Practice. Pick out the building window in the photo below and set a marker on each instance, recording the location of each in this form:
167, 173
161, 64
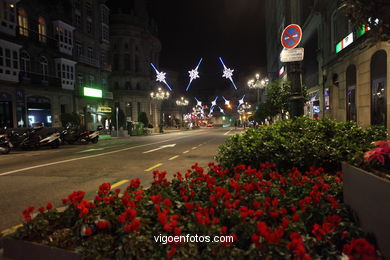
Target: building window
77, 4
89, 26
77, 18
128, 85
7, 11
79, 49
104, 13
91, 80
80, 80
351, 93
105, 33
116, 62
127, 62
138, 107
25, 62
378, 88
90, 53
88, 8
23, 22
42, 29
44, 67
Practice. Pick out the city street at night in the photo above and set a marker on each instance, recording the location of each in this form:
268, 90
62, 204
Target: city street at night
36, 177
220, 129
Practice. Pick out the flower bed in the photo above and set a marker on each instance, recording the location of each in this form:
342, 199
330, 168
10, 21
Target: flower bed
271, 214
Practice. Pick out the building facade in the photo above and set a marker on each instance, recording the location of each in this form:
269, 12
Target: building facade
37, 69
344, 70
94, 101
133, 47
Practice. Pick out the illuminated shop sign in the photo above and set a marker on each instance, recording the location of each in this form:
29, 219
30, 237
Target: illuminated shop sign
93, 92
104, 109
344, 43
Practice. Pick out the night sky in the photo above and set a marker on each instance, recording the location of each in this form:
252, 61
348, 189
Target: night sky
190, 29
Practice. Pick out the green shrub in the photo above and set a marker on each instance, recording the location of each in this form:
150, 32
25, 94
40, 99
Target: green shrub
70, 118
143, 118
301, 143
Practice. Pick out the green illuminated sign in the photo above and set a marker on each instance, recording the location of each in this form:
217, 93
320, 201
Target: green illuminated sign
93, 92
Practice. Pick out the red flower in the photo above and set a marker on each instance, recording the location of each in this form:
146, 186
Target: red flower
88, 231
223, 230
255, 240
171, 252
133, 226
359, 249
296, 217
49, 206
41, 209
177, 231
167, 203
83, 212
103, 224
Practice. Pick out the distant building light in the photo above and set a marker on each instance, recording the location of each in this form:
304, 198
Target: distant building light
93, 92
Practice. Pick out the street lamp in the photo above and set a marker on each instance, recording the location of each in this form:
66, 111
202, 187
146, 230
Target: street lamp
182, 103
160, 95
242, 111
258, 84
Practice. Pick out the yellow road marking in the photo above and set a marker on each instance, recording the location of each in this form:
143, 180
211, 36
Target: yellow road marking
193, 148
119, 184
151, 168
173, 158
186, 151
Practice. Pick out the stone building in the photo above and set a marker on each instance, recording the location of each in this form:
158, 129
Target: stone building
37, 70
133, 47
344, 70
90, 19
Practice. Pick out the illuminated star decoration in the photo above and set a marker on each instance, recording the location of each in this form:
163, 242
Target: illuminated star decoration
227, 102
214, 102
160, 76
194, 74
241, 101
211, 110
221, 110
228, 73
198, 102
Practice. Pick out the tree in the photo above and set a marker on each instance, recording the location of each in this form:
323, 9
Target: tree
121, 118
261, 113
143, 118
366, 12
277, 97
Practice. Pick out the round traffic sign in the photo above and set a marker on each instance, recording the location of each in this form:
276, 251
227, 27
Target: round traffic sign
291, 36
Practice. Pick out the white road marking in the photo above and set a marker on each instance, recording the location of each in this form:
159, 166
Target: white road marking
87, 157
91, 150
227, 132
161, 147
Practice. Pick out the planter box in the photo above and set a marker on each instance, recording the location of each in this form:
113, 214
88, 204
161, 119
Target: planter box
23, 250
369, 197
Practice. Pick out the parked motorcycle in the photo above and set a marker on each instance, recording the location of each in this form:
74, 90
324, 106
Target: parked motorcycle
75, 135
5, 144
33, 139
94, 135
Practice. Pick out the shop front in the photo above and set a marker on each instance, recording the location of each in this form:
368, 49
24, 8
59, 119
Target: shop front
312, 106
39, 111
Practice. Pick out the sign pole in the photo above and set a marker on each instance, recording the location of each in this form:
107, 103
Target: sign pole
117, 123
291, 37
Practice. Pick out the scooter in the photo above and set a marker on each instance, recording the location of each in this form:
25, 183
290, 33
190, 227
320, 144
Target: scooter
52, 140
74, 135
5, 144
94, 135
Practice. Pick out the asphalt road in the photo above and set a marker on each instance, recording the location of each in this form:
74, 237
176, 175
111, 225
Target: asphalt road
48, 175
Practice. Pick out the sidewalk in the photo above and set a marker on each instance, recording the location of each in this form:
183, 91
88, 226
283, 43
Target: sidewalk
166, 131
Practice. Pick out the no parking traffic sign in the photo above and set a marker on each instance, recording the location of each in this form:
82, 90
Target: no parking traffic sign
291, 36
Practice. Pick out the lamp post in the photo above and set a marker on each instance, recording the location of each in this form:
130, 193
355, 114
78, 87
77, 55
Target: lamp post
258, 84
242, 111
160, 95
182, 102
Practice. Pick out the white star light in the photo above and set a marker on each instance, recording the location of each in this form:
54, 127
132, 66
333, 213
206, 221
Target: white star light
214, 102
161, 76
194, 74
199, 103
227, 102
228, 73
241, 101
